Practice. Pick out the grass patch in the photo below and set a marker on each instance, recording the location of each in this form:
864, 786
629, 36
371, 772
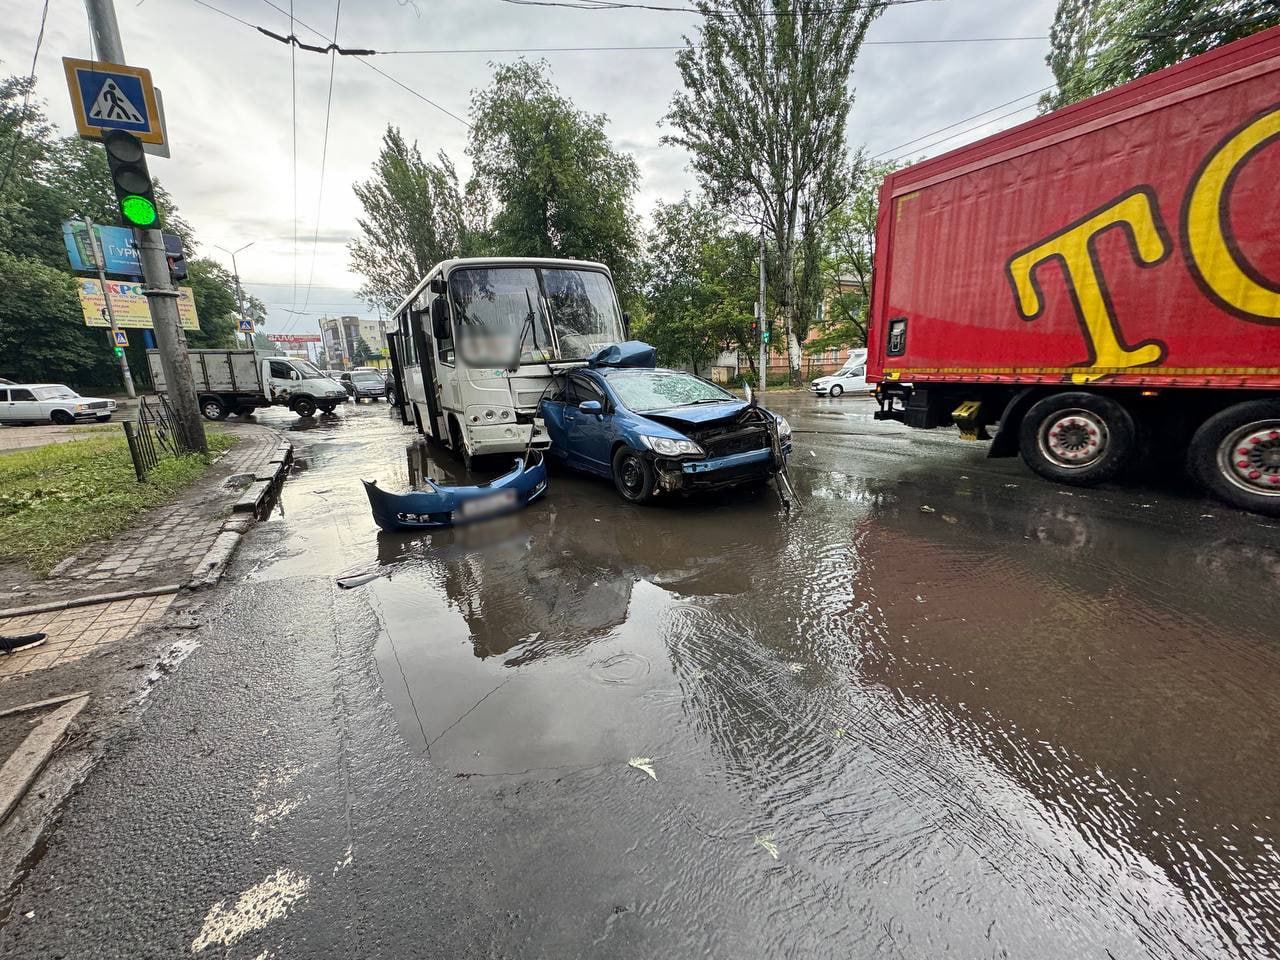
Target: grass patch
57, 498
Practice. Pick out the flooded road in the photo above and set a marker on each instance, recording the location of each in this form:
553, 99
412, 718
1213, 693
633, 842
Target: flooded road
971, 713
945, 709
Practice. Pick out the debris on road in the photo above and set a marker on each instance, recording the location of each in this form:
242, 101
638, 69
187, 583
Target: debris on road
643, 763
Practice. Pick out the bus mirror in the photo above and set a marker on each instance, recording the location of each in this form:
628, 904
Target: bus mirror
440, 319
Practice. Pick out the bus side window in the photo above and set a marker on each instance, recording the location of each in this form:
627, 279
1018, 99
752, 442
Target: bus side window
444, 345
408, 346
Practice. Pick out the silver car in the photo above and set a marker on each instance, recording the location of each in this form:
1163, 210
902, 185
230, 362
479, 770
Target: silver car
50, 403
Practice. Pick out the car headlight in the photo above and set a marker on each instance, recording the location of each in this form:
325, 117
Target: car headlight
784, 428
80, 408
672, 448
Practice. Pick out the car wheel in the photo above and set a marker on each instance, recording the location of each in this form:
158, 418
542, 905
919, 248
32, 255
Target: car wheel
1236, 455
836, 390
326, 409
632, 476
304, 407
1077, 438
62, 418
213, 408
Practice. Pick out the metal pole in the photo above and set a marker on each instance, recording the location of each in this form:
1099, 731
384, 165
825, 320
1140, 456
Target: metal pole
96, 247
235, 270
161, 297
106, 32
764, 346
172, 341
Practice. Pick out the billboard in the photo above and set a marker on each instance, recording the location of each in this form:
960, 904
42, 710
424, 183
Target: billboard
119, 254
293, 338
129, 304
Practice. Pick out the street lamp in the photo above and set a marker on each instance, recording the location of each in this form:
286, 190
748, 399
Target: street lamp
236, 272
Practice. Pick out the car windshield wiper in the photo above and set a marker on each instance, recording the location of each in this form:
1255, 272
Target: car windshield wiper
708, 400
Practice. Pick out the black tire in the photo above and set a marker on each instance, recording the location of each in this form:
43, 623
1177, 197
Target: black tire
62, 418
213, 408
633, 476
304, 407
1236, 456
104, 419
836, 390
1077, 438
327, 409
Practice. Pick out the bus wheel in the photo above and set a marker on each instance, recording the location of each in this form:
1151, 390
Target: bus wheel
1078, 438
1236, 455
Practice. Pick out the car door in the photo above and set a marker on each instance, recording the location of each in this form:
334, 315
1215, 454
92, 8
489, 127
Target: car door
856, 380
5, 416
23, 407
284, 379
589, 435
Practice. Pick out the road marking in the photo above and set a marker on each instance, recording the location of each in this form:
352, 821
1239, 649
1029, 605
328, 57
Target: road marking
259, 905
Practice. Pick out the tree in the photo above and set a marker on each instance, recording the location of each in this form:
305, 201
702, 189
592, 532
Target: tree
849, 250
362, 352
1098, 44
559, 187
698, 284
413, 219
763, 114
214, 289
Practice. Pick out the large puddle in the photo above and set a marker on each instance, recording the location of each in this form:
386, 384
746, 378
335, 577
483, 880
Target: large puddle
966, 715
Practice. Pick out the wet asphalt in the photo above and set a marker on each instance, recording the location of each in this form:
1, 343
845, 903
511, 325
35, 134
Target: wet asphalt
943, 709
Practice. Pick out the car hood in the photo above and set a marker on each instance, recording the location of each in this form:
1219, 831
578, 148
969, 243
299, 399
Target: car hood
822, 381
697, 416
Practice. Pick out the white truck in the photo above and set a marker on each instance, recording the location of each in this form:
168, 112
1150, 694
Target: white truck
240, 381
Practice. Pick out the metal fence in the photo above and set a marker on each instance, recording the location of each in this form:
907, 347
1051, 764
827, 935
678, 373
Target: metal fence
151, 436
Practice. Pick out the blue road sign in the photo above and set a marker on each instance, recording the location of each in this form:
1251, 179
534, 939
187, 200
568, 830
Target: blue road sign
122, 338
246, 326
111, 96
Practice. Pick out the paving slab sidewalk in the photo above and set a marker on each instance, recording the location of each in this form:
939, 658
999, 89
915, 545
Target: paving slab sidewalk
160, 554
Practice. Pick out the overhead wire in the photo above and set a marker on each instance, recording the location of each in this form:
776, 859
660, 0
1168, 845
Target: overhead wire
977, 126
26, 102
324, 155
950, 126
672, 46
618, 5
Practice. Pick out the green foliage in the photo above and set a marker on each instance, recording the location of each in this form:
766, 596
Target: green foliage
42, 331
699, 285
1098, 44
559, 186
849, 247
413, 218
763, 113
214, 289
363, 353
57, 498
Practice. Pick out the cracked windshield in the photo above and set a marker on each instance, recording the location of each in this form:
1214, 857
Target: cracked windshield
630, 480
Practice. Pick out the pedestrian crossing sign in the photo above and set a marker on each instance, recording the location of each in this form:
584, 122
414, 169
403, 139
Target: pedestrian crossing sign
122, 337
111, 96
246, 326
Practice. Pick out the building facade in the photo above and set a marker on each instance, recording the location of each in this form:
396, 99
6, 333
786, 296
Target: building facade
341, 338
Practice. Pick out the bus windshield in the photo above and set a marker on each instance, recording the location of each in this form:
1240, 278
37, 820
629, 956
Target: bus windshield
494, 303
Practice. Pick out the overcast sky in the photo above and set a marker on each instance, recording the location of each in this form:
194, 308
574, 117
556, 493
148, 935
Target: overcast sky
228, 100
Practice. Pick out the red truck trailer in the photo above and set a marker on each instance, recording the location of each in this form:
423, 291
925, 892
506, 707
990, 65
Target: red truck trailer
1100, 284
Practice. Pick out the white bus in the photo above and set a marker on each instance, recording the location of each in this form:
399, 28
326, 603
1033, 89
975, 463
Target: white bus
461, 386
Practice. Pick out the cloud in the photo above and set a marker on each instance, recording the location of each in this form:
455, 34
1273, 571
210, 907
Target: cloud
229, 103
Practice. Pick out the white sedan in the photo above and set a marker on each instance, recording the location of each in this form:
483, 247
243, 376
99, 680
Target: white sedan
851, 378
50, 403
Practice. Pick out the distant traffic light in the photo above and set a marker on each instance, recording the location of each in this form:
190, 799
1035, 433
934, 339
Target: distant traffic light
131, 180
119, 351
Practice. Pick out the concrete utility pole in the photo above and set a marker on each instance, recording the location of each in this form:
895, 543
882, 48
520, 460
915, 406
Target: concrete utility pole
239, 293
162, 298
764, 337
98, 262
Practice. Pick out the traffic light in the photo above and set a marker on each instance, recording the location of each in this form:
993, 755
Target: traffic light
119, 351
130, 178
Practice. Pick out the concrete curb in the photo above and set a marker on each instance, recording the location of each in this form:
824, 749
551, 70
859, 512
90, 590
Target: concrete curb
28, 760
56, 605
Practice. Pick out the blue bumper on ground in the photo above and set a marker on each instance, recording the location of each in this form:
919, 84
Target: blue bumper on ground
440, 506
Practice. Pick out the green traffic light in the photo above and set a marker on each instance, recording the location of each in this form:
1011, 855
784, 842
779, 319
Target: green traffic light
139, 211
119, 351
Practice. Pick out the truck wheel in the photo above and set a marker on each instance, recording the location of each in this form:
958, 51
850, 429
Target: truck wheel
1077, 438
213, 408
1236, 455
633, 476
62, 418
304, 407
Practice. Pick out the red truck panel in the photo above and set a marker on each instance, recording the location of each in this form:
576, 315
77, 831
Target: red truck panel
1132, 238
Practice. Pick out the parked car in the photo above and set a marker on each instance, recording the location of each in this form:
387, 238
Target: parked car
655, 431
364, 384
851, 378
50, 403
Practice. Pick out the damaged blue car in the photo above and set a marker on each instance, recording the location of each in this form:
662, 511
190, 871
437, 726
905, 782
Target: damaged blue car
655, 431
